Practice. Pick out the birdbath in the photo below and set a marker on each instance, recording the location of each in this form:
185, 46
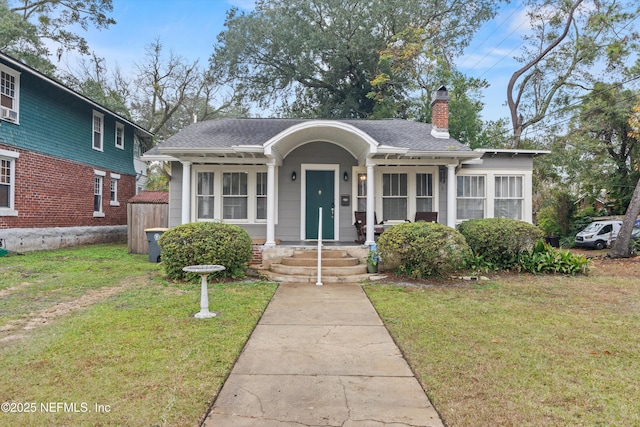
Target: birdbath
204, 271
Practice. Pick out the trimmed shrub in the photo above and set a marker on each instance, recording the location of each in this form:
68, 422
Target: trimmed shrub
199, 243
498, 242
422, 249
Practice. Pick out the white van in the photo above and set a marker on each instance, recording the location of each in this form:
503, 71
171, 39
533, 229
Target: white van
598, 234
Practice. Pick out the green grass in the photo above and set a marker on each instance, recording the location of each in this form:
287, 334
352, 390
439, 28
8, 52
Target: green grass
139, 353
519, 350
45, 278
523, 350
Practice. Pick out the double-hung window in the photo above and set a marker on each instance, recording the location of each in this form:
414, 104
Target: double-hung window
120, 136
9, 92
362, 192
98, 180
7, 182
394, 196
205, 196
230, 196
98, 130
234, 195
113, 196
261, 195
424, 192
509, 197
470, 197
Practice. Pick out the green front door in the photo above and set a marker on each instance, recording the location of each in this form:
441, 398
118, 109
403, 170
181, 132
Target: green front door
319, 194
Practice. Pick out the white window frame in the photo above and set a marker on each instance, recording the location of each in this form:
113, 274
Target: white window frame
510, 196
411, 172
260, 196
100, 116
427, 197
399, 196
16, 93
227, 197
360, 182
119, 129
98, 177
490, 174
484, 198
10, 157
217, 195
113, 196
210, 195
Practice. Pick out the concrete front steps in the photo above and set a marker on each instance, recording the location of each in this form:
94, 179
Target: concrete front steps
302, 267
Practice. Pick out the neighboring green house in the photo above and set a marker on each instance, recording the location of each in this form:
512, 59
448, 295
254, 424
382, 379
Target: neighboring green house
66, 163
270, 176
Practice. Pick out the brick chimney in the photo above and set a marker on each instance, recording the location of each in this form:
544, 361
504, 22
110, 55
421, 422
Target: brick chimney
440, 113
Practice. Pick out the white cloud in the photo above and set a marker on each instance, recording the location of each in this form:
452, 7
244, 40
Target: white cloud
519, 22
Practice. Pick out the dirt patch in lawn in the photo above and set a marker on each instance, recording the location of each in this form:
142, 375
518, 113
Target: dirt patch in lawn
18, 329
620, 267
5, 292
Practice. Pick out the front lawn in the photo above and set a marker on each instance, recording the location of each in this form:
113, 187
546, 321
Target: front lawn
95, 336
523, 350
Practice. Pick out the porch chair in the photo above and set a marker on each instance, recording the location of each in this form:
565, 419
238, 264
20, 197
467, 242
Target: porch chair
361, 226
427, 216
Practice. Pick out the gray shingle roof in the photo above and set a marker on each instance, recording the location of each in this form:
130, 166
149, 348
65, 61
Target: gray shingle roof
222, 133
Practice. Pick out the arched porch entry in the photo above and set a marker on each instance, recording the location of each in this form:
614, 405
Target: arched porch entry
313, 161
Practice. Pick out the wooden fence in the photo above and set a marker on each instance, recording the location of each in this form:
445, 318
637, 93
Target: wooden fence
149, 209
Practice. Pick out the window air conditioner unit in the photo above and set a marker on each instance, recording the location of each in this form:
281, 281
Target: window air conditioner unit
9, 114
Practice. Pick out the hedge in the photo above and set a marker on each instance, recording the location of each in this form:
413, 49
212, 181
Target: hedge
422, 249
498, 242
200, 243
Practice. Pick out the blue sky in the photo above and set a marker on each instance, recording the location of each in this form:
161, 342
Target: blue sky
189, 29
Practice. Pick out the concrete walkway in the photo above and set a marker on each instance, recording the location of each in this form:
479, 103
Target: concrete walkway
320, 356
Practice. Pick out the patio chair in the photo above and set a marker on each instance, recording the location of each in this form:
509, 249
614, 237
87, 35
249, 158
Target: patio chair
427, 216
361, 226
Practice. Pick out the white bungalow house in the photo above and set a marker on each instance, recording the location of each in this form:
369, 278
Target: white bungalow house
270, 176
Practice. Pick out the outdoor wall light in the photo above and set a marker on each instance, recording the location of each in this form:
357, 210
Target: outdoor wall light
345, 176
293, 176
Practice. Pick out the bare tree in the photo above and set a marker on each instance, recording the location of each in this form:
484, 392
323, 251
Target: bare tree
162, 86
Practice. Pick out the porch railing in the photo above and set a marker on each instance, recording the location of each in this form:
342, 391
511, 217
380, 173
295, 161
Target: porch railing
319, 282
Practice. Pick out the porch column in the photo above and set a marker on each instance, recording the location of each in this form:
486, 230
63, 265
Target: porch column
271, 205
186, 192
451, 196
370, 206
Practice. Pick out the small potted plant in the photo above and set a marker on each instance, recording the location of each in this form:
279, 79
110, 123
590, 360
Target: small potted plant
372, 262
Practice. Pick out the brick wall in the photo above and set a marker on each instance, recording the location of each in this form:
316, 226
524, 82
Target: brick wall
440, 109
52, 192
257, 255
440, 114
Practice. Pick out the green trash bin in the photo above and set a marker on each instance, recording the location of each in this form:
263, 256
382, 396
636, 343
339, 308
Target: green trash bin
153, 234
